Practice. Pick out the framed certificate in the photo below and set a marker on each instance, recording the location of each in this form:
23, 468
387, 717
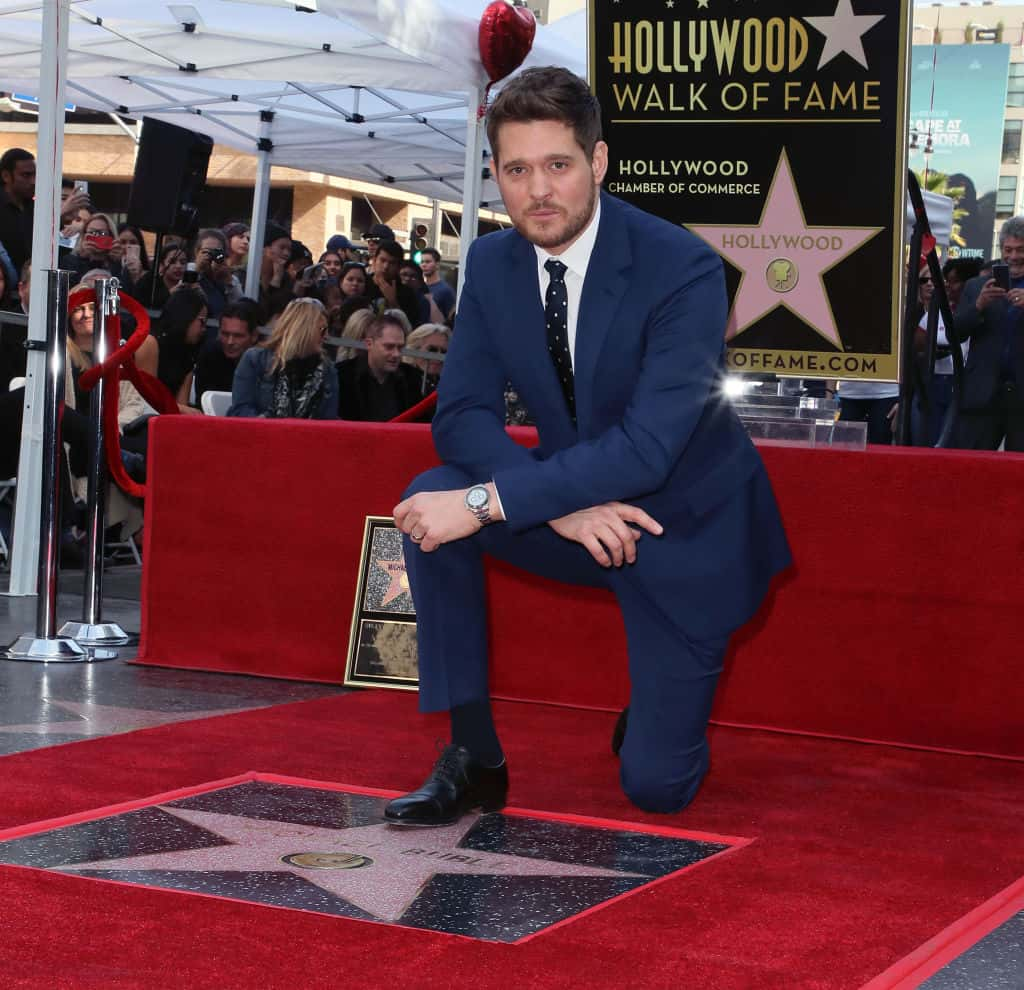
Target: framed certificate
382, 641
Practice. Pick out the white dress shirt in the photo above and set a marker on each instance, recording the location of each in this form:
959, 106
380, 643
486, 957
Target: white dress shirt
576, 258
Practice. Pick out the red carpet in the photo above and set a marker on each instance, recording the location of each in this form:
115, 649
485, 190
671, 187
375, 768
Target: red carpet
898, 622
860, 855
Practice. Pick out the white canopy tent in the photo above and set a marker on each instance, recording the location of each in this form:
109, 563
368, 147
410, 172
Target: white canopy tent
380, 92
382, 87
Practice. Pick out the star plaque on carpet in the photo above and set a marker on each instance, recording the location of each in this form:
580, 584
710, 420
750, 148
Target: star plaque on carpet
307, 846
382, 641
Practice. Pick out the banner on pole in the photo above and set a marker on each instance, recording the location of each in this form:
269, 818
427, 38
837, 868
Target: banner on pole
957, 102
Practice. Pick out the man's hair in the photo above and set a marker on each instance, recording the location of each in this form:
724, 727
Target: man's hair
1014, 227
213, 234
392, 248
381, 323
274, 232
409, 263
12, 156
244, 309
547, 93
965, 268
433, 252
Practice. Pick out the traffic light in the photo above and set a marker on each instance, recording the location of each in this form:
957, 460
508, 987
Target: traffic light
419, 238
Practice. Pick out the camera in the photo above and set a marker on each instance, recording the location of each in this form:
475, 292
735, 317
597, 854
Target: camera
217, 255
191, 275
1001, 275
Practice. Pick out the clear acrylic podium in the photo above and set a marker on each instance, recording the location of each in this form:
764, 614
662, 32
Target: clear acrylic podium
782, 411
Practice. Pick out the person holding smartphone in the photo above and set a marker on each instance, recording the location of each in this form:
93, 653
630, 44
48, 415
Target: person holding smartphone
990, 316
96, 249
130, 248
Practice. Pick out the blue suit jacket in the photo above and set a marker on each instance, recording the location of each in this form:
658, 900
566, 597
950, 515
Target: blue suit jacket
653, 428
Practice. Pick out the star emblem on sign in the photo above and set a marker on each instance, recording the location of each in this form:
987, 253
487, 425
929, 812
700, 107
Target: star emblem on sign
783, 259
843, 31
395, 570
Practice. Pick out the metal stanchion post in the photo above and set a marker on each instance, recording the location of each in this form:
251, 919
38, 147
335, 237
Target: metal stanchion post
45, 646
92, 630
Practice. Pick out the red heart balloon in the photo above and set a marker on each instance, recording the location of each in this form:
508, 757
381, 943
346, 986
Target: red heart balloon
506, 36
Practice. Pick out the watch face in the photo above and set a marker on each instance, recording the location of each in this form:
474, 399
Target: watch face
476, 498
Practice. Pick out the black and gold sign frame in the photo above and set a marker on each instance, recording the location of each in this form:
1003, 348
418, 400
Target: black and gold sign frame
382, 640
777, 133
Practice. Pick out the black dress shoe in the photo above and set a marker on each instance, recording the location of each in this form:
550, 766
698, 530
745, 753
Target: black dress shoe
456, 785
619, 732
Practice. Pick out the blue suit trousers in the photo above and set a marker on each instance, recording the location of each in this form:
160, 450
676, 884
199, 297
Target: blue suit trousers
665, 754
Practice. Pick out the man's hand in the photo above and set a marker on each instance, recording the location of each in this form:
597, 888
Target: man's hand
388, 290
433, 518
989, 294
606, 532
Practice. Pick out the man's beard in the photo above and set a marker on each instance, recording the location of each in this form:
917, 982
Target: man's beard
555, 236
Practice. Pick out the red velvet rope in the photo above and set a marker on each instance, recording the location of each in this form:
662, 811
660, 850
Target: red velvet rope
121, 361
414, 413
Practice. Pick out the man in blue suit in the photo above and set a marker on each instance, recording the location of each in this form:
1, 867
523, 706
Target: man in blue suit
610, 324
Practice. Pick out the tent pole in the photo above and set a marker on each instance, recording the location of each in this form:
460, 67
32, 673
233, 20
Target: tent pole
260, 199
472, 181
45, 232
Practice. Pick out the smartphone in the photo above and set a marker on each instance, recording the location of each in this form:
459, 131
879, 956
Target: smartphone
82, 186
131, 252
102, 242
191, 275
312, 273
1001, 276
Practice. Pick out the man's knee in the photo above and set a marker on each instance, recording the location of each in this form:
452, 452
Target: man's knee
660, 787
439, 479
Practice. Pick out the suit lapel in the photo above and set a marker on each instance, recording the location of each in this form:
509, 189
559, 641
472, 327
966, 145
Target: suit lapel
603, 291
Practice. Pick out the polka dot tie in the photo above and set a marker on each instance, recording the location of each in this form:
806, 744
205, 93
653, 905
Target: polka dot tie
556, 316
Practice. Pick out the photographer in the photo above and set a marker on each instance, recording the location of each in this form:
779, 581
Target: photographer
218, 282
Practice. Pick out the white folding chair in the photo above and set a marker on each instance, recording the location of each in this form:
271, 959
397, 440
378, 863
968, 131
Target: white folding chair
215, 403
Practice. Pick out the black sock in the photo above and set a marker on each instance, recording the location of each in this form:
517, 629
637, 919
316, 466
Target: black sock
473, 727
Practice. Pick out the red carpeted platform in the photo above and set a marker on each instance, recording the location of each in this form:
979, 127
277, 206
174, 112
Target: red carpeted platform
859, 855
899, 620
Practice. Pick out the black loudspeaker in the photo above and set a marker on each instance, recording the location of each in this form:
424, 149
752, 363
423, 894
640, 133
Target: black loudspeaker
170, 175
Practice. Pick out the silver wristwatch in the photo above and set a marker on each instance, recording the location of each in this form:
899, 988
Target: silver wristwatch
478, 501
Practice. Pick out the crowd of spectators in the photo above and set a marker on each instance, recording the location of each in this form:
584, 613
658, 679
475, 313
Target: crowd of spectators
325, 339
204, 324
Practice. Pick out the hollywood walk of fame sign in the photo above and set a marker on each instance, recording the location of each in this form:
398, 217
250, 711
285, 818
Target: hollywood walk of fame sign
324, 848
776, 133
382, 640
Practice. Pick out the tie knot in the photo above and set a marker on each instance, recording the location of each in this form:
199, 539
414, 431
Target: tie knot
555, 269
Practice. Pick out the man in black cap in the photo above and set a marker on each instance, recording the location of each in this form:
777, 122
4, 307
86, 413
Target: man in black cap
379, 233
342, 247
